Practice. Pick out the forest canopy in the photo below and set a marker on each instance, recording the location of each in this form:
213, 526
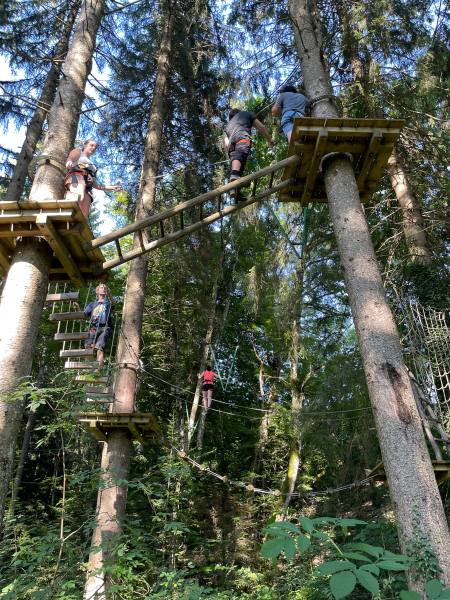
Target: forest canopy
306, 473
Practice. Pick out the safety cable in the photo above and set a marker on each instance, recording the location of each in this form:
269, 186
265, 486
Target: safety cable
187, 391
251, 488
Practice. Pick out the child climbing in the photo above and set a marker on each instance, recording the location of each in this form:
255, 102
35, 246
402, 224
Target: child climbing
99, 313
238, 140
81, 175
208, 385
289, 104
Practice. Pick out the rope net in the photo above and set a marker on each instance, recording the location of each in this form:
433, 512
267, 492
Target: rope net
427, 351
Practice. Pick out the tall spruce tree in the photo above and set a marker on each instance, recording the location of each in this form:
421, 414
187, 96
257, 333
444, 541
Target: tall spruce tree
25, 287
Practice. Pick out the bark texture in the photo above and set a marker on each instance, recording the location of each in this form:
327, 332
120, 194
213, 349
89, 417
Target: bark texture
46, 98
20, 307
413, 222
112, 500
24, 292
414, 492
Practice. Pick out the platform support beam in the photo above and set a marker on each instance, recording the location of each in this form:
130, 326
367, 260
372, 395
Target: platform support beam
47, 229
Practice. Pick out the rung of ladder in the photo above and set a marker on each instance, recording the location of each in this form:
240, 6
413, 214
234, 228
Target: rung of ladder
88, 366
108, 400
63, 296
67, 316
76, 352
99, 391
74, 336
91, 381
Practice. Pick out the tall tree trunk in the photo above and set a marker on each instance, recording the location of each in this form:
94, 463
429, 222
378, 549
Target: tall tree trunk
264, 423
361, 61
414, 492
297, 395
34, 129
203, 360
25, 287
112, 500
21, 304
413, 222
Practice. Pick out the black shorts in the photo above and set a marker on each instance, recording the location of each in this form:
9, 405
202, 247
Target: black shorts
207, 386
98, 337
240, 151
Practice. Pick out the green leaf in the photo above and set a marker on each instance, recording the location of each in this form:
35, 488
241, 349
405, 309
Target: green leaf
368, 581
371, 568
445, 594
307, 524
375, 551
272, 548
289, 548
285, 526
434, 588
356, 556
396, 557
342, 584
349, 522
323, 520
333, 566
303, 543
390, 565
410, 596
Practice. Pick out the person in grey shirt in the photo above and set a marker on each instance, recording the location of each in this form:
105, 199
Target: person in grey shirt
289, 104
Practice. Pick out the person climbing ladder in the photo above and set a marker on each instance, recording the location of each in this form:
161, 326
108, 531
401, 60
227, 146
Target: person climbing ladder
99, 313
81, 175
238, 140
208, 385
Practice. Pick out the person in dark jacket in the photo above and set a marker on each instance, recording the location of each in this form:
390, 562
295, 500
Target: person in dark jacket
238, 139
99, 313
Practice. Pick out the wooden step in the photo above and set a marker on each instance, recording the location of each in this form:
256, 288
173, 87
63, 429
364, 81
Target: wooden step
88, 366
67, 316
63, 296
99, 391
71, 336
93, 381
105, 400
76, 352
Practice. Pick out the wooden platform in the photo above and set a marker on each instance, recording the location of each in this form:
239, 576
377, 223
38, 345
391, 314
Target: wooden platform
64, 227
441, 470
369, 141
142, 426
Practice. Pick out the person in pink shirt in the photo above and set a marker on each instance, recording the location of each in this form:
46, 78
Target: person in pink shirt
207, 386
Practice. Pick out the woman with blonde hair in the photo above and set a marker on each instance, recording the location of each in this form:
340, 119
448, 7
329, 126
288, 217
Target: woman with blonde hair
81, 175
